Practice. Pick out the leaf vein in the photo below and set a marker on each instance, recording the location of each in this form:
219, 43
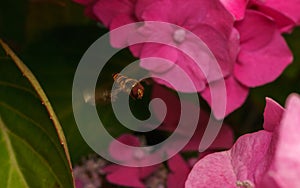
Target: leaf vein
37, 154
11, 152
22, 115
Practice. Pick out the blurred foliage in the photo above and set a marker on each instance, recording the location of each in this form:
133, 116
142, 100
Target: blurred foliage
52, 35
31, 151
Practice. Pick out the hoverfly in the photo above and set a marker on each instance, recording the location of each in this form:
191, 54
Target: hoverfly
128, 85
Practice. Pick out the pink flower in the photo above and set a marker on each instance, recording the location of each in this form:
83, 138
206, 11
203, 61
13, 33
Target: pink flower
268, 158
246, 42
263, 55
123, 175
257, 53
207, 20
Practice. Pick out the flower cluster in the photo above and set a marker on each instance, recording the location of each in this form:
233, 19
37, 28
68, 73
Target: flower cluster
244, 36
267, 158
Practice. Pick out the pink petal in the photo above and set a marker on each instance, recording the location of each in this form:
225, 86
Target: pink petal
264, 53
179, 82
289, 8
107, 11
125, 176
220, 48
179, 171
212, 171
263, 65
121, 20
272, 115
120, 36
284, 23
251, 156
153, 11
159, 33
204, 12
136, 49
236, 7
196, 57
116, 170
142, 6
285, 168
246, 161
159, 51
189, 13
256, 30
115, 149
236, 95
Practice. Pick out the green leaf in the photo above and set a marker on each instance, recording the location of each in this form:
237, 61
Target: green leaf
33, 149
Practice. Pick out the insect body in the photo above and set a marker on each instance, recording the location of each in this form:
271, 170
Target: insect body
129, 85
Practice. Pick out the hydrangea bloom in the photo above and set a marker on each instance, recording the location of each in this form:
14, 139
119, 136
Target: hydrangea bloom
248, 46
201, 17
268, 158
263, 55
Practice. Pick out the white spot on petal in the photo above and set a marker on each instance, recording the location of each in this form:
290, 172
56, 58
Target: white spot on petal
179, 35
